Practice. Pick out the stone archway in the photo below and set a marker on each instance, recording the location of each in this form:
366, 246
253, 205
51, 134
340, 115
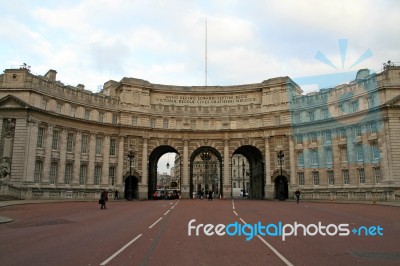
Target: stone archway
256, 170
131, 188
210, 179
153, 160
281, 187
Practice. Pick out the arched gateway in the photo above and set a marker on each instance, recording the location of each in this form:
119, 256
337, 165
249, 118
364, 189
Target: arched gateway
61, 140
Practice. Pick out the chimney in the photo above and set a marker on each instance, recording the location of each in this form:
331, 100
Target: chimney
51, 75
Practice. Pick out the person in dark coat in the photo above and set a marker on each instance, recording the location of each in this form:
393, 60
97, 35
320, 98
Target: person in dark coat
116, 195
297, 193
210, 196
104, 199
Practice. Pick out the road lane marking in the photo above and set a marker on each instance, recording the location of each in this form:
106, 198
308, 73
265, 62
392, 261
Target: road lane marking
285, 260
167, 212
235, 213
151, 226
172, 207
120, 250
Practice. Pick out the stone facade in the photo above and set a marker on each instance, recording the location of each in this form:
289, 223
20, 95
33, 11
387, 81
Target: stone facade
60, 141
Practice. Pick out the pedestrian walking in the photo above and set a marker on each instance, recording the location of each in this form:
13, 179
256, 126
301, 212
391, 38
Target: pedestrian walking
297, 193
210, 195
103, 199
116, 194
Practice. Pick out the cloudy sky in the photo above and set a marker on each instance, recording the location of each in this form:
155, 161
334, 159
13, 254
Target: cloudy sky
92, 41
248, 41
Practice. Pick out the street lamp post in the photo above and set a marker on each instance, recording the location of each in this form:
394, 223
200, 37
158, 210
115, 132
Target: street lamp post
131, 157
205, 156
243, 170
281, 158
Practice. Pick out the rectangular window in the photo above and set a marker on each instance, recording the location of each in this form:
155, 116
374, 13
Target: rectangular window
153, 123
99, 145
375, 151
314, 157
72, 112
165, 123
58, 108
359, 153
134, 120
114, 119
113, 146
315, 178
40, 138
111, 175
68, 174
343, 154
313, 137
301, 178
331, 178
299, 138
44, 104
85, 144
97, 175
311, 114
56, 140
328, 155
87, 114
377, 174
357, 131
82, 174
325, 113
38, 171
70, 142
101, 117
277, 120
53, 173
342, 133
354, 106
328, 136
296, 118
361, 175
346, 179
300, 159
372, 128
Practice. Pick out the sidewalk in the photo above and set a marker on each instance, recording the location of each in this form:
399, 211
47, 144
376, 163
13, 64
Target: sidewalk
5, 203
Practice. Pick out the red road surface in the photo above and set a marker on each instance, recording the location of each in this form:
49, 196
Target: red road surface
156, 233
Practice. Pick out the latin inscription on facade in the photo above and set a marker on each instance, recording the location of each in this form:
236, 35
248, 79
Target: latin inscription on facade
206, 100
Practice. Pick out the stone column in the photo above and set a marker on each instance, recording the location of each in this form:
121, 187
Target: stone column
292, 158
92, 157
227, 174
63, 156
77, 159
185, 173
120, 165
106, 161
47, 158
30, 155
268, 186
145, 176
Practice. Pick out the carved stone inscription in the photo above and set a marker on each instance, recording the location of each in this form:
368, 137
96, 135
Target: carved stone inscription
206, 100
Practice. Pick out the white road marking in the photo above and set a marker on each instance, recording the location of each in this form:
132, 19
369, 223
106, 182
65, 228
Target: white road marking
167, 212
235, 213
151, 226
121, 249
285, 260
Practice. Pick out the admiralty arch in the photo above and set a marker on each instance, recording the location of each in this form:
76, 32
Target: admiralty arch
340, 143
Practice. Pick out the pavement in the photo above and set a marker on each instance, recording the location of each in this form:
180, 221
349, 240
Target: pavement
19, 202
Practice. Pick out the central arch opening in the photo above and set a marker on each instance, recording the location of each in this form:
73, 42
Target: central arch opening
205, 173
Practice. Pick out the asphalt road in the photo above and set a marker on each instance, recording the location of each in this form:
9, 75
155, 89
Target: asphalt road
157, 233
